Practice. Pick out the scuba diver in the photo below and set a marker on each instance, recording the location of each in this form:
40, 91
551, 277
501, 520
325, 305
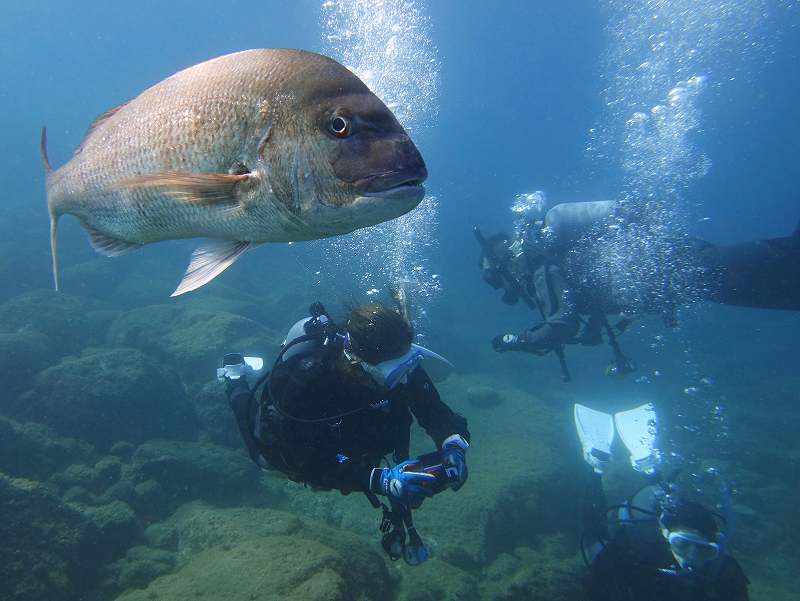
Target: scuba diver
338, 400
658, 545
545, 265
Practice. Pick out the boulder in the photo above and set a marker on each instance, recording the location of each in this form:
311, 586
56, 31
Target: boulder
58, 316
297, 560
484, 397
140, 566
192, 342
215, 420
192, 470
105, 396
116, 527
35, 451
46, 546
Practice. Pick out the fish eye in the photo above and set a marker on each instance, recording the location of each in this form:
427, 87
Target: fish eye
339, 126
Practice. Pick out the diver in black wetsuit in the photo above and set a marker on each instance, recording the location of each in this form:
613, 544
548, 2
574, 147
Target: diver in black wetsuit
338, 401
658, 545
664, 548
540, 267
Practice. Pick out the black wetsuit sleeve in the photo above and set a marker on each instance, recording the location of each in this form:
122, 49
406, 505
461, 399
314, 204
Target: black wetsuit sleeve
240, 400
438, 420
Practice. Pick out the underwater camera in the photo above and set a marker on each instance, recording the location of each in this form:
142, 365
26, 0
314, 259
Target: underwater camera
433, 464
236, 365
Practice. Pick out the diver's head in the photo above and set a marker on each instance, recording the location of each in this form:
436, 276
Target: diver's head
692, 532
494, 264
379, 340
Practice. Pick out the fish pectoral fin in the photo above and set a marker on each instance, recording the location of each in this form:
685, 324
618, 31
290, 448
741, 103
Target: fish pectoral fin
195, 188
208, 261
108, 245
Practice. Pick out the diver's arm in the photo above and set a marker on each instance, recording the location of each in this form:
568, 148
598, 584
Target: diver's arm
438, 420
240, 399
561, 322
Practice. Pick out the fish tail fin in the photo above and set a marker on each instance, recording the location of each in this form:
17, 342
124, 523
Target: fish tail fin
54, 246
48, 172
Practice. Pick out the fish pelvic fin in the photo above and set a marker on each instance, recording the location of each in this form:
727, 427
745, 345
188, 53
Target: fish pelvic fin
48, 169
108, 245
210, 260
195, 188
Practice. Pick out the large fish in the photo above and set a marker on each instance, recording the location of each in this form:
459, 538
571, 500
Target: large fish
252, 147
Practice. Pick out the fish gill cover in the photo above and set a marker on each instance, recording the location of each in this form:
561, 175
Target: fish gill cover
389, 46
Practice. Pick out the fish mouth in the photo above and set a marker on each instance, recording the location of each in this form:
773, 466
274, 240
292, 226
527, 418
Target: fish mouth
392, 183
406, 191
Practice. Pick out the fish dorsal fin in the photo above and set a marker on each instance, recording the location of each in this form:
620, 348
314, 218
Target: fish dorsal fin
108, 245
97, 123
194, 188
208, 261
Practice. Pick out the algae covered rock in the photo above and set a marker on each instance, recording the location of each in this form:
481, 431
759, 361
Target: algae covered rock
115, 524
190, 470
140, 566
215, 419
59, 317
191, 341
257, 553
35, 451
24, 354
105, 396
46, 551
279, 567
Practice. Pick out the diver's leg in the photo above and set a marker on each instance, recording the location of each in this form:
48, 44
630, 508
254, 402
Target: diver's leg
762, 274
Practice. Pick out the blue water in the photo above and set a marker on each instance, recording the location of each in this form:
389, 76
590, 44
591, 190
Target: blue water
523, 101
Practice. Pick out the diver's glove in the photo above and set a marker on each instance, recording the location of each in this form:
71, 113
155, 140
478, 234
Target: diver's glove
454, 460
504, 342
401, 484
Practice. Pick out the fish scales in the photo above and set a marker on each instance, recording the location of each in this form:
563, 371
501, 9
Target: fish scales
268, 145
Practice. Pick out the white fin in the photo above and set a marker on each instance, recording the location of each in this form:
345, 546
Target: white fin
107, 245
596, 433
637, 429
208, 261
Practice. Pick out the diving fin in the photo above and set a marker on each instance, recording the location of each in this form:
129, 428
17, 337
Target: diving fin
210, 260
637, 429
596, 433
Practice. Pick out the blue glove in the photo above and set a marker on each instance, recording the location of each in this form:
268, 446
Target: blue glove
401, 484
454, 459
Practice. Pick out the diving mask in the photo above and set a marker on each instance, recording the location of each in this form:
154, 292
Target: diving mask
393, 372
691, 550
